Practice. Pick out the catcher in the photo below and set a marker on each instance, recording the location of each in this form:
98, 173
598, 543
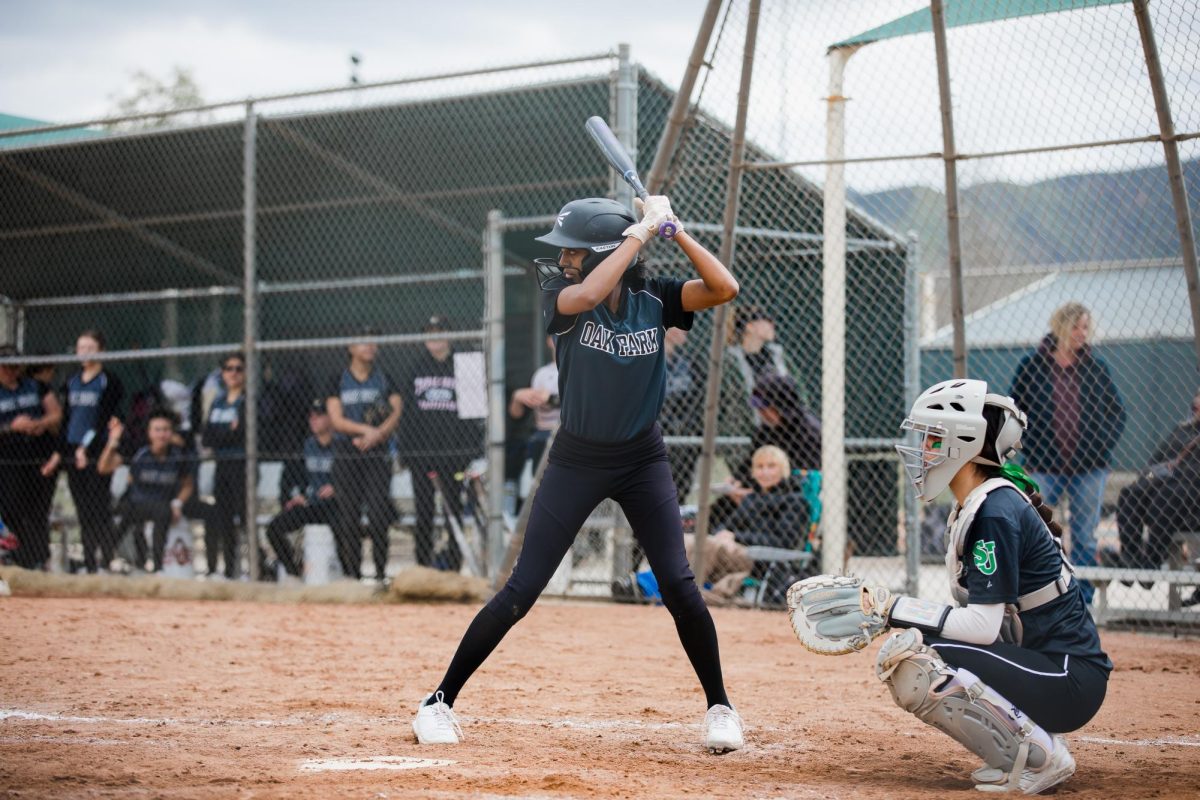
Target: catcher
1018, 662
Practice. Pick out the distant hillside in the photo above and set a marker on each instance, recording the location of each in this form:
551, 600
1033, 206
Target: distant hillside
1098, 217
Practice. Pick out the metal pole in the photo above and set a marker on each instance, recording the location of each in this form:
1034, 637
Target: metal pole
912, 388
250, 336
683, 98
493, 261
1179, 197
833, 324
950, 157
712, 388
625, 117
19, 328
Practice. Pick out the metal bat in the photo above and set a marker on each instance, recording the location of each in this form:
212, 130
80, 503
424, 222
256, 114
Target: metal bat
619, 160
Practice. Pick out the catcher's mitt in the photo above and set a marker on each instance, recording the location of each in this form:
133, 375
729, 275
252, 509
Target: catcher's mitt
837, 614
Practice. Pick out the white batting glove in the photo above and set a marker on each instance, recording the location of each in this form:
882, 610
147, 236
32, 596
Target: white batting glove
655, 210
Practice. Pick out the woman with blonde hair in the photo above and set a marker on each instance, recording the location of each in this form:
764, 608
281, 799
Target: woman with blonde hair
1076, 417
775, 514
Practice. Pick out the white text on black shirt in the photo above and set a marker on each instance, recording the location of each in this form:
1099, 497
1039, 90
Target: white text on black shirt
638, 343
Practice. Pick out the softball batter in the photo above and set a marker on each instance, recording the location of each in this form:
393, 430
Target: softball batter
609, 320
1019, 662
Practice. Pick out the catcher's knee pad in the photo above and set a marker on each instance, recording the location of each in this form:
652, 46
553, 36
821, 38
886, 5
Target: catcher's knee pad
958, 703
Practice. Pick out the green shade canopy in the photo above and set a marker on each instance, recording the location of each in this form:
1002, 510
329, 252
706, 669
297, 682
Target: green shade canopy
9, 122
968, 12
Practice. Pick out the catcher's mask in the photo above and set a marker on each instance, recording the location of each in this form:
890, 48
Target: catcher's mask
594, 225
949, 417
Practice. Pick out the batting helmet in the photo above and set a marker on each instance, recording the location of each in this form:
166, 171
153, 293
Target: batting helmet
593, 224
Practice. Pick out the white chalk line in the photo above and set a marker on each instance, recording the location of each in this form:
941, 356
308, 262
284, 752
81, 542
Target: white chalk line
371, 763
565, 723
1187, 741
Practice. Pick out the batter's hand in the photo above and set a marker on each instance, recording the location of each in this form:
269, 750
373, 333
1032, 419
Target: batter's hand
654, 211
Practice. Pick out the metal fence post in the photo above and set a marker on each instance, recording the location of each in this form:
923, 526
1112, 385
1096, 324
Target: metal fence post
713, 386
250, 336
1179, 197
493, 261
950, 160
912, 388
625, 116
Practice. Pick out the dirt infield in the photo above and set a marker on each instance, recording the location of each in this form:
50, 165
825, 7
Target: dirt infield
106, 697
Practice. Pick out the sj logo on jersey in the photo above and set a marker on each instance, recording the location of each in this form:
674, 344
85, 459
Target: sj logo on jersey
985, 557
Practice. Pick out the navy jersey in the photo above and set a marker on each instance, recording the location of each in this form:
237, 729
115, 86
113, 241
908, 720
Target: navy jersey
364, 402
155, 480
611, 367
1008, 553
84, 402
318, 462
25, 398
220, 433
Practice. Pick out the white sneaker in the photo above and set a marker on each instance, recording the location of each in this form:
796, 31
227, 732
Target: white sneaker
722, 730
436, 724
1060, 767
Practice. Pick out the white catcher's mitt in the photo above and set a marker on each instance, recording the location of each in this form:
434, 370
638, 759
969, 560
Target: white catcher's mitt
837, 614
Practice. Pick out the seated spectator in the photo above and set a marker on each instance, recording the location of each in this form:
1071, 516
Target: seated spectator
1163, 500
773, 515
160, 483
791, 427
317, 504
542, 397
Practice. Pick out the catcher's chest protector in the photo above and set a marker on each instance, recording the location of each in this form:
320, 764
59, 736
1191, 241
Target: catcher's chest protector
956, 534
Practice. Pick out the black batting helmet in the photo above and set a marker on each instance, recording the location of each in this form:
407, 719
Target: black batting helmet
594, 224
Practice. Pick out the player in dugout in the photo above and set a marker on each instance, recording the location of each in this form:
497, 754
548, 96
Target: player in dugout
1018, 663
609, 318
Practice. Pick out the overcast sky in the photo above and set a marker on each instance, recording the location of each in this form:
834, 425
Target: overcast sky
1068, 77
62, 60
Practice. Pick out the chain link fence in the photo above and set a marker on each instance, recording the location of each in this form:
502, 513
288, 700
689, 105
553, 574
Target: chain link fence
304, 229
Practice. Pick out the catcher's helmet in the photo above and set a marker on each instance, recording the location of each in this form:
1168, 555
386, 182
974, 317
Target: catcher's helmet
593, 224
952, 414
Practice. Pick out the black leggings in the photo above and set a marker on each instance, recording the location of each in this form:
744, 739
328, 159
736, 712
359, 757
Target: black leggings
578, 476
362, 480
1059, 692
92, 493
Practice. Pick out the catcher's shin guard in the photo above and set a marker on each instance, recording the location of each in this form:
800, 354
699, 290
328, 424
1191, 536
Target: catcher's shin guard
960, 705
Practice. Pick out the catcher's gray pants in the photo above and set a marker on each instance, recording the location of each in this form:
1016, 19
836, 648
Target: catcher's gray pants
1058, 692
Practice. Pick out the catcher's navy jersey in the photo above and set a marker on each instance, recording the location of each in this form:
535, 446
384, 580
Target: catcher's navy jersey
611, 367
1008, 553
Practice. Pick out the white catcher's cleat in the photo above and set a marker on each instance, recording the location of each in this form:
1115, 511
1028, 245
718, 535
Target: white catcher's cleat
1057, 769
722, 730
436, 724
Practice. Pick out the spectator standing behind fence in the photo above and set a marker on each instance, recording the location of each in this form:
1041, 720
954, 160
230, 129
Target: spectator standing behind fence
160, 483
1165, 499
541, 395
224, 432
436, 442
92, 397
1076, 417
317, 504
30, 415
364, 406
47, 446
